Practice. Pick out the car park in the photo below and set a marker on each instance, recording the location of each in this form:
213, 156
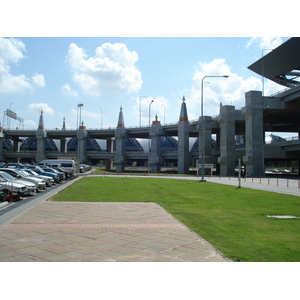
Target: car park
19, 174
31, 188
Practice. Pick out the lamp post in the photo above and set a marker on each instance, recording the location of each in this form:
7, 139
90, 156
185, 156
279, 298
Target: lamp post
149, 138
79, 105
262, 69
202, 127
101, 117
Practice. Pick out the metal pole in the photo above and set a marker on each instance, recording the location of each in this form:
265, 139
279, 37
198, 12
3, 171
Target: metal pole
149, 139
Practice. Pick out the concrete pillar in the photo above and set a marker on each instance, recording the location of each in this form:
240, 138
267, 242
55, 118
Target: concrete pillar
81, 145
40, 140
253, 112
120, 136
183, 141
63, 145
109, 149
156, 132
207, 138
227, 141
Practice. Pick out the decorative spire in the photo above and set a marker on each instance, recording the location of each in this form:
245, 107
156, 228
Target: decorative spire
41, 121
64, 124
183, 112
121, 118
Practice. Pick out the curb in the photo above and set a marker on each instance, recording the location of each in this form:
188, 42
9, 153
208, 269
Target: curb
3, 204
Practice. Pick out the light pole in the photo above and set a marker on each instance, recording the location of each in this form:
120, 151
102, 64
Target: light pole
202, 126
79, 105
164, 114
149, 138
262, 69
101, 117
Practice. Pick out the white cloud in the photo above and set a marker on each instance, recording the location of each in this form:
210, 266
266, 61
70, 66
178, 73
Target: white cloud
264, 42
218, 90
37, 107
39, 80
67, 90
112, 69
11, 52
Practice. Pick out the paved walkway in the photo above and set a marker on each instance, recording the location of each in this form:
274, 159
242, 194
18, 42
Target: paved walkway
101, 232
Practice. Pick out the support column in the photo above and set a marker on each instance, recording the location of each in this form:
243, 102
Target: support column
81, 145
227, 141
63, 145
207, 139
253, 112
63, 141
120, 136
183, 140
109, 149
40, 140
155, 153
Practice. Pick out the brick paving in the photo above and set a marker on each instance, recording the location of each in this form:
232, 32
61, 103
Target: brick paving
101, 232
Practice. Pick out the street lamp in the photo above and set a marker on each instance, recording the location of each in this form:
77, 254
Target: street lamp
149, 139
202, 126
101, 117
79, 104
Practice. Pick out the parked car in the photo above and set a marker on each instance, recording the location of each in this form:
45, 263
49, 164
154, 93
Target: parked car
40, 171
61, 175
11, 189
19, 174
31, 188
48, 180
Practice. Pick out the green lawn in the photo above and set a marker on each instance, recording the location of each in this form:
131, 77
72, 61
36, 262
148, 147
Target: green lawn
233, 220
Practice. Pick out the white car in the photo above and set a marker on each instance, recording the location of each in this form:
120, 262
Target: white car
31, 188
13, 189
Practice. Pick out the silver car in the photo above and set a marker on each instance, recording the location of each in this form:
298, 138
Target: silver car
31, 187
11, 189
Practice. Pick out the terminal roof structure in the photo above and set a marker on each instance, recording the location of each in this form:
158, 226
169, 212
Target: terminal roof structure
282, 65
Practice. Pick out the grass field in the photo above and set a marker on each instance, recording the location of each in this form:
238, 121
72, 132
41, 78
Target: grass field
233, 220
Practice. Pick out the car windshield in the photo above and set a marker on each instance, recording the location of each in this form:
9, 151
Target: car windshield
32, 172
23, 173
7, 176
39, 169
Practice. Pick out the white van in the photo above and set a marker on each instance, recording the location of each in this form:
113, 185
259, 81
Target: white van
67, 164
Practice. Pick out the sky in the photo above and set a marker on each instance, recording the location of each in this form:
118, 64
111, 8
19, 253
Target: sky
55, 74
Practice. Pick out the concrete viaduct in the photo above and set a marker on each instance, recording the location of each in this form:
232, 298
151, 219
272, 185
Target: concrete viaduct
279, 113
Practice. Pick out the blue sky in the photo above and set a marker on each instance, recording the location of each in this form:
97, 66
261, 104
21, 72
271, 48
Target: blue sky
104, 73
